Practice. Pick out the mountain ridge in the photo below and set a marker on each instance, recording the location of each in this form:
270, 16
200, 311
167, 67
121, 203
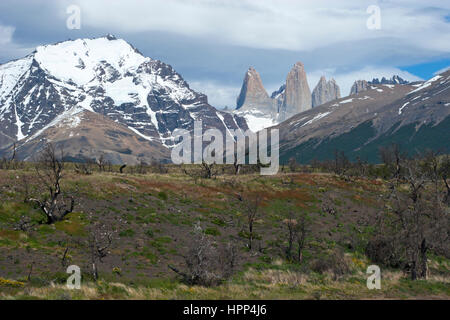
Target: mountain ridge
407, 114
104, 75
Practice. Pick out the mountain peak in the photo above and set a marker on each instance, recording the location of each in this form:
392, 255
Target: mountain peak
78, 61
253, 94
325, 91
110, 37
299, 65
359, 86
297, 96
106, 76
394, 80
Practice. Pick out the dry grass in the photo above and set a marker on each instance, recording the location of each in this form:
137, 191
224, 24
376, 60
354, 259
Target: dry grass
266, 284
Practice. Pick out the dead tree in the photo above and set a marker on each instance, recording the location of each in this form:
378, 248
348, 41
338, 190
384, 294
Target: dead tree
293, 164
361, 167
392, 157
252, 203
208, 170
193, 173
237, 166
203, 171
291, 225
422, 222
297, 232
102, 163
99, 242
9, 163
302, 230
340, 163
444, 173
49, 169
207, 265
142, 167
64, 260
158, 167
85, 167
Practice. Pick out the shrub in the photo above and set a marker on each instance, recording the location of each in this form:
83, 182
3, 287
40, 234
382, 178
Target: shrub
212, 231
163, 196
11, 283
149, 233
334, 261
117, 270
384, 252
127, 233
207, 265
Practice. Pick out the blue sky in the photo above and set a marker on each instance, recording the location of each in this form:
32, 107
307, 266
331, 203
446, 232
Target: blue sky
211, 43
428, 69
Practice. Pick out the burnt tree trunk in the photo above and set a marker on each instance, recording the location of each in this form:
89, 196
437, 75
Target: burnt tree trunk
250, 236
423, 259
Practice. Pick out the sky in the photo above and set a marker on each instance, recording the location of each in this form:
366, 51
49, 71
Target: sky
212, 43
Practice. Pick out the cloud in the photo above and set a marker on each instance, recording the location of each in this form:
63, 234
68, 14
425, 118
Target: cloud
213, 42
6, 33
281, 24
219, 95
10, 49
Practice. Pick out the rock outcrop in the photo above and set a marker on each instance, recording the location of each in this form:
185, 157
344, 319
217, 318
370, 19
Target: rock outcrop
359, 86
262, 111
297, 95
253, 95
394, 80
325, 91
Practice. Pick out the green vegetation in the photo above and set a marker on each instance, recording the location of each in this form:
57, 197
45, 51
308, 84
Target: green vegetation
314, 233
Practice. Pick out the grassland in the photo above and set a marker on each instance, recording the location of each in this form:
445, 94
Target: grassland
153, 215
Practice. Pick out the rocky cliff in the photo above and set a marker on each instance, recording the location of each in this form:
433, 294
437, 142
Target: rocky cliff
359, 86
325, 91
253, 95
297, 95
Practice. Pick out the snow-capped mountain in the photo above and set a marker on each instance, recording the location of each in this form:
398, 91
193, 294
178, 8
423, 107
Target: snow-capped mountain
107, 76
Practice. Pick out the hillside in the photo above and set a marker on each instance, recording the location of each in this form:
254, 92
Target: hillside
413, 116
153, 216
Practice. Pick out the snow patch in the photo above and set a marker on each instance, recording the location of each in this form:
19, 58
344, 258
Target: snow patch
140, 134
256, 123
62, 60
318, 117
226, 127
346, 101
426, 84
10, 73
19, 125
70, 118
401, 109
